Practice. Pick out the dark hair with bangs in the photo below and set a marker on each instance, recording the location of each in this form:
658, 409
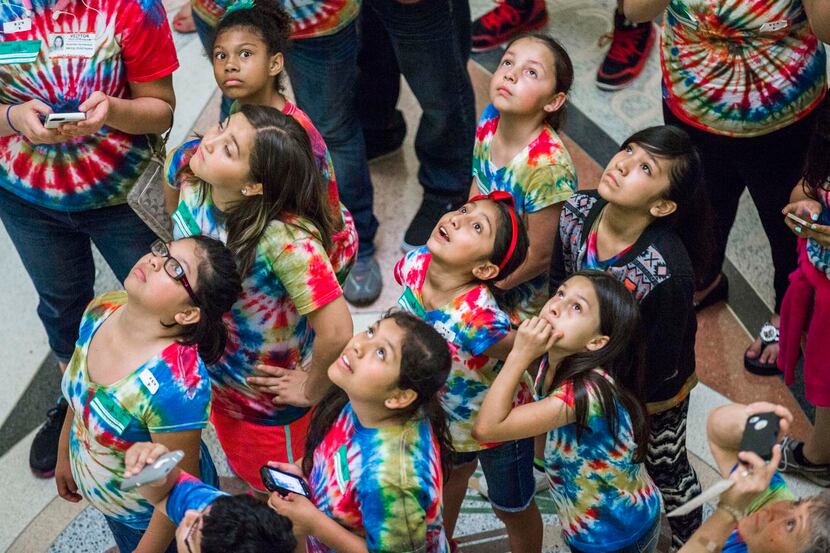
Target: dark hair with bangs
268, 20
425, 365
817, 164
692, 220
563, 71
621, 358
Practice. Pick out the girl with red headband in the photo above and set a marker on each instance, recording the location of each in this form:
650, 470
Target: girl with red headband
447, 283
518, 150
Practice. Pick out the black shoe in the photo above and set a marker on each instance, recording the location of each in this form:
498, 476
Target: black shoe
716, 295
43, 456
430, 212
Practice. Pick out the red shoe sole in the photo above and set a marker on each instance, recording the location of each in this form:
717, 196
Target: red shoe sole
43, 475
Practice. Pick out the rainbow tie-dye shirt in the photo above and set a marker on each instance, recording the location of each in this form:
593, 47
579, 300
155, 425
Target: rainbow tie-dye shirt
540, 176
311, 18
291, 277
604, 499
384, 484
471, 324
740, 68
129, 41
170, 392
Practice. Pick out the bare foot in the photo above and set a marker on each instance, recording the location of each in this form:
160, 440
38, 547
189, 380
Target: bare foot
183, 20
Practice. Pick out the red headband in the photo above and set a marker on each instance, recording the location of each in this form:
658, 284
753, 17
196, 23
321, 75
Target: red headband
502, 196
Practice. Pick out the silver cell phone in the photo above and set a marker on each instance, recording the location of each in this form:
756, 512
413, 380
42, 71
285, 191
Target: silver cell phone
800, 221
154, 472
55, 120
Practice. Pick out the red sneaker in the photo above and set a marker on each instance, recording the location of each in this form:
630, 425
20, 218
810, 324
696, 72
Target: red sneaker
630, 46
508, 19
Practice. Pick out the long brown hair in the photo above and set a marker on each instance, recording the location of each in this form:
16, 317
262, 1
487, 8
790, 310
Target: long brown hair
282, 161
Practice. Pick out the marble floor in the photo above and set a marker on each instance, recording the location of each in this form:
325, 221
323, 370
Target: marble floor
35, 520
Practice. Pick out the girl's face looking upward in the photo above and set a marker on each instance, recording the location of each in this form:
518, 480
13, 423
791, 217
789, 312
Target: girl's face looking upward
369, 368
466, 237
637, 179
574, 315
241, 64
223, 156
525, 81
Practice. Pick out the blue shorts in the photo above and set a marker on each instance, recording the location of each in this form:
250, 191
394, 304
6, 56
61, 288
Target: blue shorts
508, 469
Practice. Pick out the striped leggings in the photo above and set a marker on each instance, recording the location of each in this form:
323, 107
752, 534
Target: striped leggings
668, 465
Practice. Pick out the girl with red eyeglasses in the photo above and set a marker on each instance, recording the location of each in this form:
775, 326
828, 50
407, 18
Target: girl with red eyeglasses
138, 374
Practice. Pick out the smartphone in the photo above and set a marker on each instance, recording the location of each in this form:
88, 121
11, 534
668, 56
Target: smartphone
55, 120
154, 472
276, 480
800, 221
760, 434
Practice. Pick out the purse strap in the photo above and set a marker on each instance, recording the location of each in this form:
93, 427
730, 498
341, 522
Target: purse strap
161, 150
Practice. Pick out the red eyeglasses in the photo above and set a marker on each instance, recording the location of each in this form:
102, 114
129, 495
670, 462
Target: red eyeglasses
172, 267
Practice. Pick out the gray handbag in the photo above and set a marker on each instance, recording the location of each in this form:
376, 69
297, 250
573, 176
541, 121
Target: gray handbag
146, 197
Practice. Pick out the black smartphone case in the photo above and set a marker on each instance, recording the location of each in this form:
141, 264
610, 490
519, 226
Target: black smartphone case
760, 434
270, 485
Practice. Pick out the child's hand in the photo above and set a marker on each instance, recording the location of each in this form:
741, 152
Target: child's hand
535, 337
286, 385
809, 210
297, 508
142, 454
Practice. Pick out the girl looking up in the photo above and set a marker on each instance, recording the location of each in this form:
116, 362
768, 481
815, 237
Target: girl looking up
252, 182
138, 374
248, 61
518, 151
446, 284
377, 446
647, 218
587, 404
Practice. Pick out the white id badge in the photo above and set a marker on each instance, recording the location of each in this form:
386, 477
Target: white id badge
773, 26
71, 45
17, 26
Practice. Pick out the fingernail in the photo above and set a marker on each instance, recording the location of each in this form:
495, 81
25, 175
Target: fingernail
798, 229
814, 217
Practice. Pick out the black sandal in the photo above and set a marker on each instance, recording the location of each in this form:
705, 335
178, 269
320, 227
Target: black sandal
769, 334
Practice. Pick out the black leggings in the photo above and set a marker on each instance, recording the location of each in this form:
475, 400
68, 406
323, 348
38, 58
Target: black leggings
769, 166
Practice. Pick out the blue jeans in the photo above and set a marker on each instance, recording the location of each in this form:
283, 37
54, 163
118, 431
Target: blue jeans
429, 44
206, 35
55, 249
646, 544
508, 468
127, 537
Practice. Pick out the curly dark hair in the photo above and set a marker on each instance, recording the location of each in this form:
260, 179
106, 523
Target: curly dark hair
243, 524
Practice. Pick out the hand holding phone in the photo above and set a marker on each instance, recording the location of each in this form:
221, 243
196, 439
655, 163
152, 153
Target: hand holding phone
156, 471
761, 434
279, 481
800, 221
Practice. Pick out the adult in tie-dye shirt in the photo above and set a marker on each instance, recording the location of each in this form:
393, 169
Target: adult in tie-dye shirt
166, 394
61, 188
744, 79
541, 175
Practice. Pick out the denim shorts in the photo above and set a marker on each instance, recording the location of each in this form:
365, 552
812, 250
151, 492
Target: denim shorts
508, 468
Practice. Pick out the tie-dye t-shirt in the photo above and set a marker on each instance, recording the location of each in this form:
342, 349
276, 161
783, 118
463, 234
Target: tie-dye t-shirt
381, 483
604, 499
541, 175
311, 18
292, 276
471, 324
170, 392
818, 255
739, 68
776, 491
189, 493
118, 41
